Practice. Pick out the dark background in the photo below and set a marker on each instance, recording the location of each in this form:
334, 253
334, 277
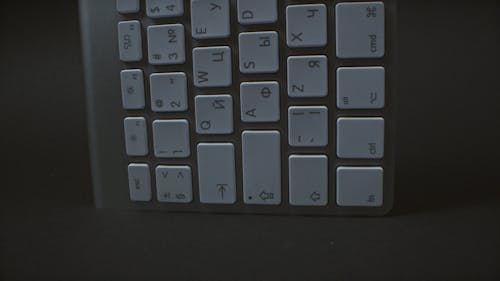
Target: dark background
445, 225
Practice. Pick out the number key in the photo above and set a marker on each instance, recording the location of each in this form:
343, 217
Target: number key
164, 8
166, 44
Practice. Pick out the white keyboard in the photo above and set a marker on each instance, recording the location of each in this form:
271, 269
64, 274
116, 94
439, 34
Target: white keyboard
254, 106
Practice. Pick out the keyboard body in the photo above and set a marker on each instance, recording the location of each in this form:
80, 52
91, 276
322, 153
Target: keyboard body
276, 116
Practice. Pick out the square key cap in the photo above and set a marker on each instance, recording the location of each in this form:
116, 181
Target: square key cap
210, 19
307, 76
166, 44
171, 138
259, 52
360, 30
214, 114
360, 186
257, 11
168, 92
260, 101
360, 87
212, 67
307, 126
360, 138
306, 25
174, 184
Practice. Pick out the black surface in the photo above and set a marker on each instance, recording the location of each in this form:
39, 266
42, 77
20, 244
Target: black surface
446, 224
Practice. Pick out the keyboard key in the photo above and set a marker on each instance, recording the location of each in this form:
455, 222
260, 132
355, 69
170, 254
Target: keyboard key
136, 137
360, 87
174, 184
360, 30
306, 25
212, 67
164, 8
168, 92
261, 154
127, 6
166, 44
139, 182
307, 76
171, 138
258, 52
130, 41
132, 84
216, 173
360, 186
308, 180
257, 11
360, 138
210, 19
214, 114
260, 101
307, 126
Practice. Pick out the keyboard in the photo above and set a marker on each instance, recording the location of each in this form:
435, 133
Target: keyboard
247, 106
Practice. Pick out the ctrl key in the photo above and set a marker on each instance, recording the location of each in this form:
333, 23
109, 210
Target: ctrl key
360, 186
139, 182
